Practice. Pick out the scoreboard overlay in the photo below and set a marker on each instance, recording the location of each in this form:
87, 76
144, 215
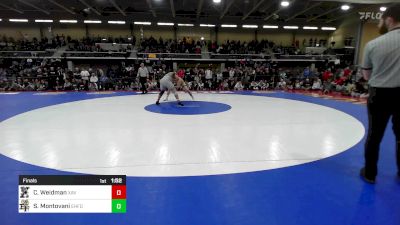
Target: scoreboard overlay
72, 194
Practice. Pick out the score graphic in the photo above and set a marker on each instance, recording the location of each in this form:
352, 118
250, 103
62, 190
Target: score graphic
71, 194
119, 199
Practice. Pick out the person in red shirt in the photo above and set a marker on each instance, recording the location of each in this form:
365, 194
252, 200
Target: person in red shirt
340, 80
327, 75
181, 73
347, 72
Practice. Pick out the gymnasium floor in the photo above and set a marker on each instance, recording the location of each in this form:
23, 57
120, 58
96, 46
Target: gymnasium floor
226, 158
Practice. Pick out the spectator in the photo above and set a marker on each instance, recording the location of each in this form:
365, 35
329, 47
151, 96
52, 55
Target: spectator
253, 85
200, 85
307, 72
93, 82
68, 86
219, 77
231, 74
238, 86
328, 86
316, 85
263, 85
85, 75
181, 73
208, 74
327, 75
281, 85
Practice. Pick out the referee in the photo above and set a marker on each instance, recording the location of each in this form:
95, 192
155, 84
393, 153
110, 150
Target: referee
381, 67
143, 75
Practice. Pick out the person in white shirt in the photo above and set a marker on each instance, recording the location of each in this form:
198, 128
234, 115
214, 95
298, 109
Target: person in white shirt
225, 85
143, 75
93, 82
167, 84
180, 83
190, 85
231, 74
85, 74
253, 85
67, 85
297, 85
316, 85
219, 77
281, 84
196, 81
153, 84
238, 86
208, 74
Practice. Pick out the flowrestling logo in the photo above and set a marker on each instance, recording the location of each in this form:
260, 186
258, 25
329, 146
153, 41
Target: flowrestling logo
370, 15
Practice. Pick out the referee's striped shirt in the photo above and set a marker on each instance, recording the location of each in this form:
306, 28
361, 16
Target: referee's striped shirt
382, 56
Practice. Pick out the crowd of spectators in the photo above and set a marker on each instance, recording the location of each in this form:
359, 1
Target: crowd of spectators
9, 44
152, 45
270, 77
34, 74
238, 47
189, 45
186, 45
90, 44
94, 44
44, 75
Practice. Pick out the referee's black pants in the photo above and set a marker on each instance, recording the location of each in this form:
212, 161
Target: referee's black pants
143, 81
383, 104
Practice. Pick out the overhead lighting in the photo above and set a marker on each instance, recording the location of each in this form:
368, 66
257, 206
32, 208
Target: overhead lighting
185, 24
345, 7
91, 21
249, 26
165, 24
310, 28
328, 28
43, 21
104, 39
68, 21
202, 38
383, 9
291, 27
207, 25
270, 27
285, 3
116, 22
142, 23
18, 20
1, 19
229, 25
217, 1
